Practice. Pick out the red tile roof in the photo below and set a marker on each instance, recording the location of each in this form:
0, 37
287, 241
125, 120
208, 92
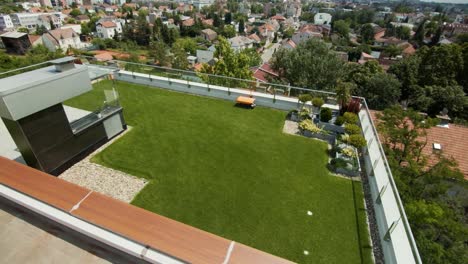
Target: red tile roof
108, 24
263, 72
453, 142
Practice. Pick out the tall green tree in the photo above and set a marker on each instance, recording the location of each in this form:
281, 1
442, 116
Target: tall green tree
241, 26
180, 57
229, 64
311, 65
158, 51
367, 34
341, 27
382, 91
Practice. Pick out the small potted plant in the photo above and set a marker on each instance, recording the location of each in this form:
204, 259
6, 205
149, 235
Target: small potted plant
317, 102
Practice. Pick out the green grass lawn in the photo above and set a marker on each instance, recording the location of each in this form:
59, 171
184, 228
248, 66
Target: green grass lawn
231, 171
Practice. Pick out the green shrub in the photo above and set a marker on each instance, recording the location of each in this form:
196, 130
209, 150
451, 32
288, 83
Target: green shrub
357, 141
349, 152
350, 118
308, 125
352, 129
304, 113
338, 163
325, 114
304, 98
339, 121
317, 102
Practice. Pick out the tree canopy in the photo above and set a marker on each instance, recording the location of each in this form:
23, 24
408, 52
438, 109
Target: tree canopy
230, 64
311, 65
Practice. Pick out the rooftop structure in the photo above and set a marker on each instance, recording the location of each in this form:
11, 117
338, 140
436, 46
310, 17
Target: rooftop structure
393, 232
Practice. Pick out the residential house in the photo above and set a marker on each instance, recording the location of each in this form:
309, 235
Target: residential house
288, 44
108, 29
307, 32
188, 22
207, 22
209, 34
256, 39
205, 56
264, 73
322, 18
6, 24
293, 8
48, 20
16, 42
82, 19
454, 29
240, 43
384, 42
75, 27
62, 39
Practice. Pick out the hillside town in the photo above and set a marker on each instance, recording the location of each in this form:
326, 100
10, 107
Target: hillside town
408, 59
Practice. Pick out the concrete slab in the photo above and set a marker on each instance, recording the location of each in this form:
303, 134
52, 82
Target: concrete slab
26, 237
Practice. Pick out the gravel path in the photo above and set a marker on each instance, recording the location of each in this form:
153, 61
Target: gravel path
291, 127
113, 183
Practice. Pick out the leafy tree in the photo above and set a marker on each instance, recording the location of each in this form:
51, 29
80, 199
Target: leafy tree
143, 32
288, 33
180, 57
440, 65
420, 32
367, 34
450, 97
403, 32
189, 45
254, 58
40, 29
341, 27
436, 37
325, 114
343, 93
311, 64
361, 74
158, 51
74, 5
381, 91
462, 38
241, 26
230, 64
227, 18
392, 50
229, 31
75, 12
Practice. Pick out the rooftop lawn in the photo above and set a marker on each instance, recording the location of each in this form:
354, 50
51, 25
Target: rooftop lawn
231, 171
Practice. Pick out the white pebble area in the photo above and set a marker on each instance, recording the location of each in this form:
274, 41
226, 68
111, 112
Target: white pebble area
110, 182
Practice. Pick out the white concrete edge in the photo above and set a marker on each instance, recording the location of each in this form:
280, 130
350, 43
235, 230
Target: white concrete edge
121, 243
229, 252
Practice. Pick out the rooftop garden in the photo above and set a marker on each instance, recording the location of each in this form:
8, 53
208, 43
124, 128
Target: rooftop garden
233, 172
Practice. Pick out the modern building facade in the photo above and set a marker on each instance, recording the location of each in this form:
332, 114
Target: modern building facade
31, 108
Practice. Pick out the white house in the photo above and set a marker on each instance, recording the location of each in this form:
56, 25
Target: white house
108, 29
75, 27
240, 42
63, 39
322, 18
5, 23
